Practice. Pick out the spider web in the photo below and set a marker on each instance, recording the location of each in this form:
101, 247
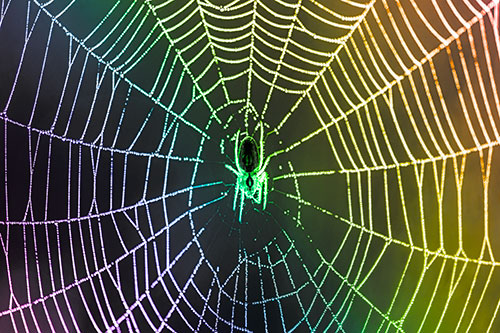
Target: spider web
118, 119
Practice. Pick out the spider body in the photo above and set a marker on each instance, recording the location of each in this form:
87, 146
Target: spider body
251, 177
248, 154
249, 158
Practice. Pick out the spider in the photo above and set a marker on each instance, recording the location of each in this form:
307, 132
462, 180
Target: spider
251, 175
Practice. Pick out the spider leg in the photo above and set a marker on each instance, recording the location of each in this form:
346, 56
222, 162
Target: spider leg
231, 169
265, 192
264, 166
236, 147
261, 143
236, 191
242, 202
259, 194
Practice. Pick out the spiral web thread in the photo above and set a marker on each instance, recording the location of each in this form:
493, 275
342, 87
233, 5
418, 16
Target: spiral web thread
404, 92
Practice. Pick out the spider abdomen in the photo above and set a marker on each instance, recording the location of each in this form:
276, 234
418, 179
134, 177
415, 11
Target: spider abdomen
248, 155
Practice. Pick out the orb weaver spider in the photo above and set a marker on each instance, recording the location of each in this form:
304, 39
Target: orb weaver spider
251, 175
